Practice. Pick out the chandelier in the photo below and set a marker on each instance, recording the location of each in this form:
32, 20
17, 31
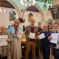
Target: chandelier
2, 10
27, 2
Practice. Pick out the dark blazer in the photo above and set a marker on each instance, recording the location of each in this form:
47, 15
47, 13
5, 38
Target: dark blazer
28, 30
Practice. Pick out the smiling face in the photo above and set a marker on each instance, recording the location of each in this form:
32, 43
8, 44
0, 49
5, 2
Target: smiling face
45, 27
55, 27
32, 21
16, 22
3, 29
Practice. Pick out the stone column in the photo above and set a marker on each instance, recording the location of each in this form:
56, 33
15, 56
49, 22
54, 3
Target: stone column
43, 22
21, 25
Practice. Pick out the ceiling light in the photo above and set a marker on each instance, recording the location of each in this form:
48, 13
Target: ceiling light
51, 2
4, 10
47, 1
32, 3
22, 3
28, 13
29, 4
25, 2
29, 0
1, 10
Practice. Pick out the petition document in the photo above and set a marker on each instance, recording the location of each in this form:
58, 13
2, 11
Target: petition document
41, 36
3, 39
54, 38
32, 35
20, 34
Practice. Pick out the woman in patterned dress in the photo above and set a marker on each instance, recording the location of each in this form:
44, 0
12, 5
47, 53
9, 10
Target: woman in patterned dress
5, 50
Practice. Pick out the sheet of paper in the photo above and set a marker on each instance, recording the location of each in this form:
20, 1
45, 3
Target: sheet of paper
3, 39
41, 36
20, 34
3, 42
32, 35
53, 41
3, 36
54, 36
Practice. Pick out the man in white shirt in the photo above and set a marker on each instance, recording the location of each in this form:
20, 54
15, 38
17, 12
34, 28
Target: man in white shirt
55, 27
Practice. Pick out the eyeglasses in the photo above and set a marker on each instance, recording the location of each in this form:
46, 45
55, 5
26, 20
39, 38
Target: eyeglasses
44, 26
55, 26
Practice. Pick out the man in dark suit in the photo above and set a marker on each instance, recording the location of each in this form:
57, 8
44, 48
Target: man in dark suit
31, 42
55, 27
45, 43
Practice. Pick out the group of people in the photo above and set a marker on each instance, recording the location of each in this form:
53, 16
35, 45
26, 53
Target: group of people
45, 42
13, 49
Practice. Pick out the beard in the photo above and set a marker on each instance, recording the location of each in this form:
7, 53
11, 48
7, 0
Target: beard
56, 29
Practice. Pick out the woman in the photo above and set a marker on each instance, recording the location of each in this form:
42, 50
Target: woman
5, 49
16, 43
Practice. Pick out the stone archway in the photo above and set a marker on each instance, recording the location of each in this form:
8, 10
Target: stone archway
41, 12
18, 11
38, 9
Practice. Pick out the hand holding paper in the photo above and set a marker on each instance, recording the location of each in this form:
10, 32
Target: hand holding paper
3, 41
20, 34
8, 40
54, 38
32, 35
34, 38
54, 35
38, 38
50, 37
28, 37
41, 36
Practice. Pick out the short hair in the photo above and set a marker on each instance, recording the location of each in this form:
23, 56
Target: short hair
16, 20
56, 23
3, 27
45, 24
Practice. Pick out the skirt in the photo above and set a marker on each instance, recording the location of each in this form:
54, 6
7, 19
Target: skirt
16, 49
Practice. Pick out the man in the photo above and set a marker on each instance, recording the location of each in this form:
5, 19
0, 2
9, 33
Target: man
45, 43
31, 43
55, 27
